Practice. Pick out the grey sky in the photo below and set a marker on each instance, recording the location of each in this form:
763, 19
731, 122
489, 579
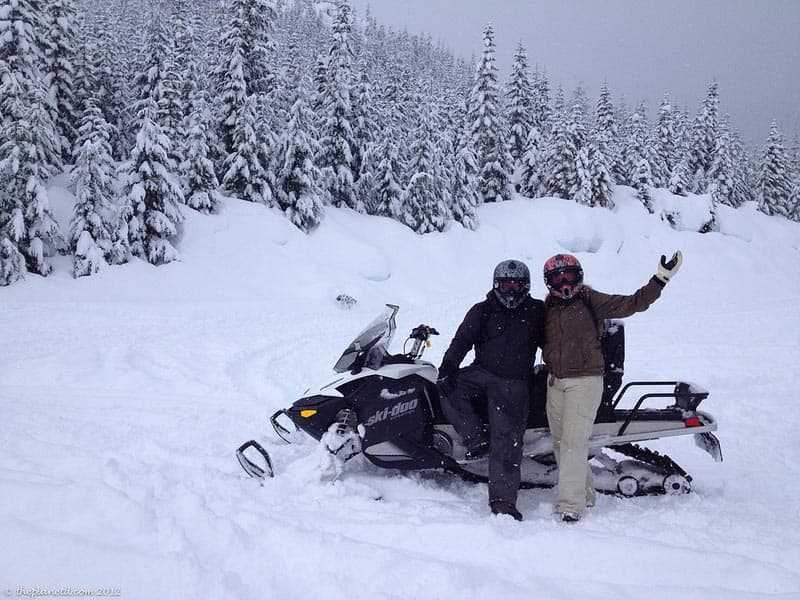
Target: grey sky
642, 48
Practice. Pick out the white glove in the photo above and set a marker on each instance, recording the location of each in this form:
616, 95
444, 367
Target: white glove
667, 269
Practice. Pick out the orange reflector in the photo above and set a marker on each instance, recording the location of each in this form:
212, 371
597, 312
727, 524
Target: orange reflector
307, 413
692, 422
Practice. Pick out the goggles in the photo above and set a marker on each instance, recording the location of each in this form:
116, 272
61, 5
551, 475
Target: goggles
565, 278
510, 286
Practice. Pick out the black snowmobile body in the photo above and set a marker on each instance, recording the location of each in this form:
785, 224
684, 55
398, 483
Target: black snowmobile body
388, 408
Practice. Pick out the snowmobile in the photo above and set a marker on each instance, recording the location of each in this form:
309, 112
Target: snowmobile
387, 408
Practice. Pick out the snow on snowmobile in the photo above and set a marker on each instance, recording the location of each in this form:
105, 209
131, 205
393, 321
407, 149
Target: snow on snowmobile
387, 407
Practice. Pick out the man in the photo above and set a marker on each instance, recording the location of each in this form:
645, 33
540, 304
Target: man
573, 316
505, 330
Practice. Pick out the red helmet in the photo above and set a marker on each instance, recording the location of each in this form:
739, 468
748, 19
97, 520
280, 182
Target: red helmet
563, 276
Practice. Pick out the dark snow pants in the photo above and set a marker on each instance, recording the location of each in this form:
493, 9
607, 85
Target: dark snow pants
477, 395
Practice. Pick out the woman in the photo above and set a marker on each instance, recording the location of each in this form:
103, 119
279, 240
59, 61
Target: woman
573, 316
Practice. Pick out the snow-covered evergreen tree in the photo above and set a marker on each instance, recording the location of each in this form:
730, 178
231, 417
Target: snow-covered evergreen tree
721, 174
635, 145
336, 136
364, 127
679, 180
540, 102
465, 193
487, 128
605, 133
27, 152
423, 195
152, 196
703, 140
519, 102
201, 180
595, 185
244, 175
794, 202
666, 143
531, 177
643, 182
389, 192
566, 140
59, 70
298, 191
229, 74
94, 238
774, 186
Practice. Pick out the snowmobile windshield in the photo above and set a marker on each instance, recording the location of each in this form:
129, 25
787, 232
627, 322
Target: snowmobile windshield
371, 345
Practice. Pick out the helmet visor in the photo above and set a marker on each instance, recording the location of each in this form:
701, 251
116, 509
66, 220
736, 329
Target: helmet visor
565, 278
510, 286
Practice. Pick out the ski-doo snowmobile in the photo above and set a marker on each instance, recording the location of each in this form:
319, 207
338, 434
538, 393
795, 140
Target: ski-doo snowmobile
387, 407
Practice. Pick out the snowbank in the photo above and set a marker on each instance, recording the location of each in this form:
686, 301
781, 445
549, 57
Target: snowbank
124, 395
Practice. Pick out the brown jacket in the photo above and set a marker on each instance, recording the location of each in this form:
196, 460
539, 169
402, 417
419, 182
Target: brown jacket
572, 345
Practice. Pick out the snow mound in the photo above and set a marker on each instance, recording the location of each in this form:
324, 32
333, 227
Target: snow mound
125, 394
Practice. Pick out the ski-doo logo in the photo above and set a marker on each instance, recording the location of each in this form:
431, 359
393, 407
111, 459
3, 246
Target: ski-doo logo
393, 412
387, 395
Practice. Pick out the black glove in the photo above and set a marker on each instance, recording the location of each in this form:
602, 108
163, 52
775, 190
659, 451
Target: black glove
446, 386
667, 269
448, 371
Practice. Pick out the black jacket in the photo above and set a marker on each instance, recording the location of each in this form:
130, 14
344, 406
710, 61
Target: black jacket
505, 340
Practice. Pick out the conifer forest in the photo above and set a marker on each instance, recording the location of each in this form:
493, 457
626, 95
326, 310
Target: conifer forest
152, 108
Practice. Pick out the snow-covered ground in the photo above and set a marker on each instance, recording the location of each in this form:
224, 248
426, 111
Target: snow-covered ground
124, 395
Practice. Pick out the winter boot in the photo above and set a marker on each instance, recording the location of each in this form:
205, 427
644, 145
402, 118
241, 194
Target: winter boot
499, 507
570, 517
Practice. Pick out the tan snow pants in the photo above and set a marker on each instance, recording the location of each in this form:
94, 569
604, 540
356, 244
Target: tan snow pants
572, 405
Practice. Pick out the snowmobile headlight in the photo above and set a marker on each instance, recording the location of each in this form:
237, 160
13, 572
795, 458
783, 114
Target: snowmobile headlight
309, 412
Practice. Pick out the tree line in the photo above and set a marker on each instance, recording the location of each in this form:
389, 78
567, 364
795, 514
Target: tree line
152, 106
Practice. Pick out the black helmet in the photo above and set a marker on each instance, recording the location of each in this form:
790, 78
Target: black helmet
512, 282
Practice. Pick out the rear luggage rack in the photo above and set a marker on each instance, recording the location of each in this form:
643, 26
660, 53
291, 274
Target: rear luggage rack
687, 398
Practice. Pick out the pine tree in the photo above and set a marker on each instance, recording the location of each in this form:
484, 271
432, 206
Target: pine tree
742, 188
541, 112
531, 179
465, 194
594, 186
519, 99
363, 124
93, 231
230, 77
388, 189
59, 70
774, 186
298, 191
424, 193
26, 155
605, 130
336, 136
245, 175
703, 140
567, 138
259, 19
201, 180
152, 196
643, 182
679, 180
721, 174
666, 143
794, 202
635, 148
487, 129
